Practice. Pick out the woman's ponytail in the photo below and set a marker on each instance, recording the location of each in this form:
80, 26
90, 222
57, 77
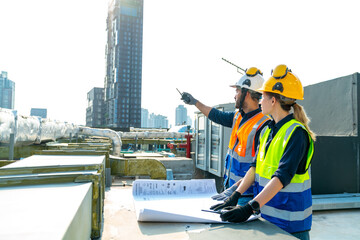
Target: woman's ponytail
299, 111
300, 115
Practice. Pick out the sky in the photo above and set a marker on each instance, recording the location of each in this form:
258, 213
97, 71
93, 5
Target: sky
54, 51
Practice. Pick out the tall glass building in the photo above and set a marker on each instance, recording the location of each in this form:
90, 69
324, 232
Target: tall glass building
123, 64
7, 91
180, 115
144, 118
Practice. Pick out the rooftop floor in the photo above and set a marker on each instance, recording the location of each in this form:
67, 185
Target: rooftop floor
120, 223
336, 224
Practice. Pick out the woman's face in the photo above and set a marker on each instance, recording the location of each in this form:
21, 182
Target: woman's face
266, 104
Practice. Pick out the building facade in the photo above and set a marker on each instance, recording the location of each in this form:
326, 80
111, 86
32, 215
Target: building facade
123, 64
39, 112
180, 115
158, 121
95, 110
144, 118
7, 91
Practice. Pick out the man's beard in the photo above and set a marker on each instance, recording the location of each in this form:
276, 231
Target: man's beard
237, 104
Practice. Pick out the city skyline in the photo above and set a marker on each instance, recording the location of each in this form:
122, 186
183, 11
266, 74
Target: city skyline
153, 120
145, 116
63, 58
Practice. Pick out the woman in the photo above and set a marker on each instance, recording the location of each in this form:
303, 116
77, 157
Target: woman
280, 169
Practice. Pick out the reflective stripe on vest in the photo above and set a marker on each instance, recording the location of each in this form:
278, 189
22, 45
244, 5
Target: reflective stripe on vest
230, 152
235, 127
286, 215
265, 118
294, 187
297, 194
235, 177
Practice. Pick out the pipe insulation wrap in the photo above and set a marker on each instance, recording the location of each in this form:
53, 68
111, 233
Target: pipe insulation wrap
114, 136
7, 125
56, 129
31, 129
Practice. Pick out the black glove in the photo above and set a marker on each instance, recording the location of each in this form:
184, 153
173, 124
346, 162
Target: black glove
231, 201
188, 98
237, 214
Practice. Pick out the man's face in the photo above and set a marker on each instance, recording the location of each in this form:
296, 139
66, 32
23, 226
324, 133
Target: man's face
237, 97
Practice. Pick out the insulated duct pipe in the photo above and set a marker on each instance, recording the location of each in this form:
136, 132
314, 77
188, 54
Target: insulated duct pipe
31, 129
114, 136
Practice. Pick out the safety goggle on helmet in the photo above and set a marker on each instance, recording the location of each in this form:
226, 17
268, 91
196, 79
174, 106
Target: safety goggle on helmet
284, 82
252, 80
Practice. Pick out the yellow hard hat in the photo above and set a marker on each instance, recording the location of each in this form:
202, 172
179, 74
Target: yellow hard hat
251, 72
284, 82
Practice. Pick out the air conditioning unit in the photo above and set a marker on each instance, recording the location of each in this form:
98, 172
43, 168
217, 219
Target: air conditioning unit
212, 142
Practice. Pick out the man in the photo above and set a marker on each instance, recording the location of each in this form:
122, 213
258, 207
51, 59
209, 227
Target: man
246, 122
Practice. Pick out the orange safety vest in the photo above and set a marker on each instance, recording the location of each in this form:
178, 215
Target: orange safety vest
241, 134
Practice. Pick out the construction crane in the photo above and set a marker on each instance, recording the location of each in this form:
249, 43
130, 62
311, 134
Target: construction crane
237, 67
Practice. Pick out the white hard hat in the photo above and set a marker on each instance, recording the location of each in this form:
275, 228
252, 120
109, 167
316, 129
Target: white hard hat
252, 80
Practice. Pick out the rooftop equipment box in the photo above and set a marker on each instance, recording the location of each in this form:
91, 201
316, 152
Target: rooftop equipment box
212, 142
54, 169
333, 107
48, 211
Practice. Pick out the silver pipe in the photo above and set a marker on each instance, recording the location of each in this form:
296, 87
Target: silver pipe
114, 136
31, 129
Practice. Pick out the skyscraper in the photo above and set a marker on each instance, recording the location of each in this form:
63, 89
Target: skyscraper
144, 118
124, 64
180, 115
7, 92
95, 109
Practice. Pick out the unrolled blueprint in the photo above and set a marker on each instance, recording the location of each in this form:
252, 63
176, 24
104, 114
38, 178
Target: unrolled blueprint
175, 201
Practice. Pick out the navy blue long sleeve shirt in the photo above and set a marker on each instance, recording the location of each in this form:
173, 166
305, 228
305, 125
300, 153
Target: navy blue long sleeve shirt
226, 119
222, 118
295, 155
